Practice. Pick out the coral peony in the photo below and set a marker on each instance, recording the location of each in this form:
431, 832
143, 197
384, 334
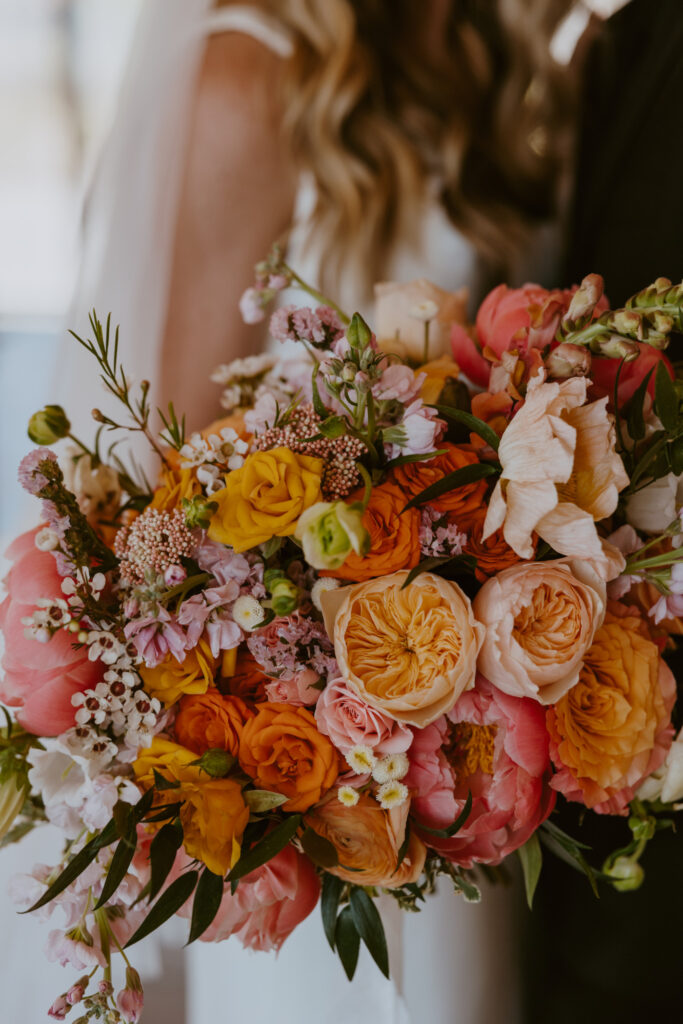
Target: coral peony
495, 747
394, 540
171, 679
211, 721
540, 620
561, 472
613, 729
368, 840
462, 502
282, 750
409, 652
39, 678
349, 721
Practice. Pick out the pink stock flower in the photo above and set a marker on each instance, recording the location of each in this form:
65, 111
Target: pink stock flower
130, 1000
299, 689
268, 904
349, 721
156, 636
398, 383
59, 1008
70, 950
39, 678
251, 306
495, 747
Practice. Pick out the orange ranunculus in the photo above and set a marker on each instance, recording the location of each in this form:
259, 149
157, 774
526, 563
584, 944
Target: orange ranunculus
394, 538
408, 652
492, 409
175, 484
242, 676
463, 501
492, 555
368, 840
265, 497
213, 813
282, 750
210, 721
170, 680
613, 729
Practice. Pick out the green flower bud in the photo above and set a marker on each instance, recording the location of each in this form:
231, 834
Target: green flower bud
198, 511
329, 531
12, 798
284, 596
215, 762
627, 875
358, 332
642, 828
49, 425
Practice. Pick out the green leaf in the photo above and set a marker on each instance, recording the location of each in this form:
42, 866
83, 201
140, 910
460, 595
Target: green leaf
458, 478
271, 547
168, 904
473, 423
329, 902
347, 941
321, 851
403, 848
370, 928
426, 565
635, 420
318, 404
161, 783
470, 891
77, 865
570, 851
666, 398
261, 800
448, 833
333, 427
676, 456
162, 854
164, 812
404, 460
207, 900
266, 849
120, 862
531, 857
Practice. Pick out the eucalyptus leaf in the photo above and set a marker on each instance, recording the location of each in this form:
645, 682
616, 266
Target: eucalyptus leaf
168, 904
266, 849
329, 903
347, 941
370, 928
320, 850
473, 423
162, 855
666, 398
531, 857
458, 478
261, 800
207, 900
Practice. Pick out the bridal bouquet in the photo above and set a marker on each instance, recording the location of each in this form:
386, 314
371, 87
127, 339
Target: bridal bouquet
358, 634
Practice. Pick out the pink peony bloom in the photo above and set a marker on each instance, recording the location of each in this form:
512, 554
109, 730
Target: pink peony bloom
299, 689
268, 904
39, 678
497, 748
349, 721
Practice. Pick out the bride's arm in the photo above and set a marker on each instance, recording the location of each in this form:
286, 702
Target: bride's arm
237, 198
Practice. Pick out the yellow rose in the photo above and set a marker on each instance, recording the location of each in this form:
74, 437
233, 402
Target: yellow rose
265, 497
176, 483
170, 680
213, 813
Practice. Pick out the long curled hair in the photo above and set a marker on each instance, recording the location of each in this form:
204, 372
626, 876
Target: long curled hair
375, 115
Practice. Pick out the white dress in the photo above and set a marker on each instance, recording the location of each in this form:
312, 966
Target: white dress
453, 963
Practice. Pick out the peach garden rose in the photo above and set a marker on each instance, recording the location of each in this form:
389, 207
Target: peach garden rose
408, 652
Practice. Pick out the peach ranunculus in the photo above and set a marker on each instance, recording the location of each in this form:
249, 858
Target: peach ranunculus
213, 813
400, 328
39, 678
265, 497
613, 729
267, 905
561, 473
368, 840
394, 536
282, 750
493, 554
463, 502
409, 652
170, 680
540, 620
211, 721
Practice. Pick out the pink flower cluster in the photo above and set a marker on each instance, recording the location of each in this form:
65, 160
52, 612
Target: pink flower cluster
320, 328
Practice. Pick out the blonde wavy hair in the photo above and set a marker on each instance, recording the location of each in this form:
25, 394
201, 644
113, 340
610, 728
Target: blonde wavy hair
374, 115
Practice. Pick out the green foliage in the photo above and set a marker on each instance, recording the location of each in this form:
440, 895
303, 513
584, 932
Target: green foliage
531, 857
207, 900
450, 482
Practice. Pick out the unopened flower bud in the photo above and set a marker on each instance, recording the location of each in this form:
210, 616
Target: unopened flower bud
104, 987
627, 875
663, 322
76, 992
49, 425
284, 592
348, 372
174, 575
59, 1008
330, 531
130, 1000
615, 347
215, 762
586, 297
568, 361
198, 512
358, 333
626, 321
97, 415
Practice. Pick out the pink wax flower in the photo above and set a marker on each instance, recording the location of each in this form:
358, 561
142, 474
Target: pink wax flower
299, 689
349, 721
268, 904
39, 678
497, 748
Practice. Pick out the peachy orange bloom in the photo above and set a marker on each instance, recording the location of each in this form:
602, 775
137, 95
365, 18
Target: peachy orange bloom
211, 721
464, 501
282, 750
493, 554
368, 840
394, 537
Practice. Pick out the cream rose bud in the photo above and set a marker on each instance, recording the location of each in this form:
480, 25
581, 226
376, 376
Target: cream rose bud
408, 652
400, 330
540, 620
329, 531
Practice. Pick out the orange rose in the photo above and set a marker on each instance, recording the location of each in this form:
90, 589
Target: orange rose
394, 538
242, 676
613, 729
211, 721
464, 501
493, 554
282, 750
368, 840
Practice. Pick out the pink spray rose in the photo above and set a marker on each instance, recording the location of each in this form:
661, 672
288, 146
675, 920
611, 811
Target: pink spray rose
349, 721
299, 690
39, 678
495, 747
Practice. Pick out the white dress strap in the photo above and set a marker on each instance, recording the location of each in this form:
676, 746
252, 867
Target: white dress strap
253, 22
